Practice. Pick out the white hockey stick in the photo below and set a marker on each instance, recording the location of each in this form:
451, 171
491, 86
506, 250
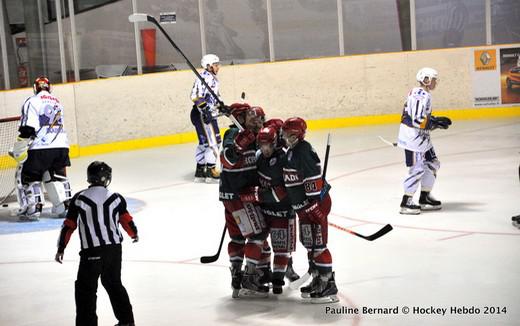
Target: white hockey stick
387, 142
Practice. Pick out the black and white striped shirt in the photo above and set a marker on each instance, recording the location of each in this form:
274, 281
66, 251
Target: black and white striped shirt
97, 212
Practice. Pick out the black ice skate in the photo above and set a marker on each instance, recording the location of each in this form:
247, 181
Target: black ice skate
251, 286
200, 173
311, 287
290, 274
278, 282
326, 290
212, 174
125, 324
266, 275
408, 207
428, 203
516, 221
236, 280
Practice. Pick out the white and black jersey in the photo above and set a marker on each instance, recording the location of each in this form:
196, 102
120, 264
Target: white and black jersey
414, 133
43, 112
97, 212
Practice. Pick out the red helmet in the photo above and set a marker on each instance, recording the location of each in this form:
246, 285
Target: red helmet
41, 83
267, 135
274, 123
238, 109
258, 111
295, 126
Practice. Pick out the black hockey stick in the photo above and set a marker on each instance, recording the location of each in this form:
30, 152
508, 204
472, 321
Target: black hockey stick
214, 258
136, 18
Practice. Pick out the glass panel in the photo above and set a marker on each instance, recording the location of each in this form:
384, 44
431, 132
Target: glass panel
505, 21
450, 23
305, 28
376, 26
104, 39
236, 30
185, 33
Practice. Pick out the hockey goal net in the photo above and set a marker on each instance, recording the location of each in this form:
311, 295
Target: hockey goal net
8, 132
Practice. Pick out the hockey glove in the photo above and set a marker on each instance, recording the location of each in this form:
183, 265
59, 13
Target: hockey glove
439, 122
244, 139
314, 213
207, 116
19, 150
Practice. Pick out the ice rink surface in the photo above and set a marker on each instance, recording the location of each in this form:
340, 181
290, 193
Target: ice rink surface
463, 256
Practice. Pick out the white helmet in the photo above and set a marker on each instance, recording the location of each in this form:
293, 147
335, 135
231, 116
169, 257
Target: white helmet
209, 59
424, 73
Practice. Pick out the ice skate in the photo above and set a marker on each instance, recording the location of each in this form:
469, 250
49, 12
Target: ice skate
236, 280
326, 290
291, 274
278, 282
428, 203
311, 287
30, 214
516, 221
200, 173
212, 174
251, 286
408, 207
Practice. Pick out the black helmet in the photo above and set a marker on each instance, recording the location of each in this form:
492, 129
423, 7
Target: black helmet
99, 174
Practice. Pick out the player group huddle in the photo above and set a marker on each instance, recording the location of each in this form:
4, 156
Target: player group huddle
270, 176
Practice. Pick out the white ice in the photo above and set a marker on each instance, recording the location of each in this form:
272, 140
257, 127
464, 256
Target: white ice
465, 255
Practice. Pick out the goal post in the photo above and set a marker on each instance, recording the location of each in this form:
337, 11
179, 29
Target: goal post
8, 133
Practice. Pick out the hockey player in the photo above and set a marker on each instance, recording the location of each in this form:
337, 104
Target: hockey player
414, 137
204, 117
274, 202
312, 203
244, 221
42, 152
98, 212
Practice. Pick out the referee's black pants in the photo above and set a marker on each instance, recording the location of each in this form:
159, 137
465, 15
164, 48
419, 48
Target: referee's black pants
104, 261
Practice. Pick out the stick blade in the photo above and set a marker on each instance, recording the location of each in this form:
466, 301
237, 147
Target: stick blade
387, 228
208, 259
137, 18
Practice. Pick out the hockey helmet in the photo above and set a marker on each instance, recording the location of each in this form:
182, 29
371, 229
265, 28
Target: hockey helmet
274, 123
425, 75
99, 174
295, 126
209, 59
41, 83
267, 135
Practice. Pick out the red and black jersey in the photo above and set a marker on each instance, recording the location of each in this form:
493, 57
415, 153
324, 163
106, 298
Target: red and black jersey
302, 175
238, 168
274, 200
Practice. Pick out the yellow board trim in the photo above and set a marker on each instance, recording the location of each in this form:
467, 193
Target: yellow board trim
187, 137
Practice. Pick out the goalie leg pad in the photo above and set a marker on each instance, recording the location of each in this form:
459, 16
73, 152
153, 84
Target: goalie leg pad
31, 200
59, 193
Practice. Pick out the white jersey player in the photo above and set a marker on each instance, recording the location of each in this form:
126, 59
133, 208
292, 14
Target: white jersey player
204, 117
414, 138
42, 151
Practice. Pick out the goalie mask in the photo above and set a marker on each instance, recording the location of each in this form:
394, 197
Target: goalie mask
99, 174
41, 83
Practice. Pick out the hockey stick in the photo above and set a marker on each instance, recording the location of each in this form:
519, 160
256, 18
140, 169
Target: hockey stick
136, 18
387, 142
387, 228
211, 259
299, 282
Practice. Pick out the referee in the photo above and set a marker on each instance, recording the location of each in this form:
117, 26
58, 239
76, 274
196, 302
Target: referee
97, 212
